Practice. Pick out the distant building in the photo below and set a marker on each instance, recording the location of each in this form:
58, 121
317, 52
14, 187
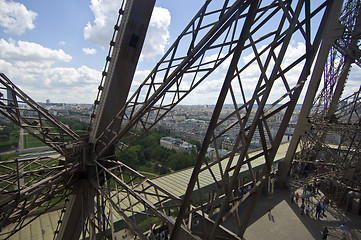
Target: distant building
333, 138
228, 143
47, 101
176, 144
213, 154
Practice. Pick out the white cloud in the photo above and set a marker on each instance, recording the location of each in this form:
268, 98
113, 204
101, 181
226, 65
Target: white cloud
15, 17
30, 54
89, 51
105, 12
139, 77
29, 66
62, 43
353, 82
5, 67
68, 85
208, 91
158, 34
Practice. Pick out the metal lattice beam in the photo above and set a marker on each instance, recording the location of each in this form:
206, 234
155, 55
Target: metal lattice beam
163, 89
37, 121
321, 108
234, 40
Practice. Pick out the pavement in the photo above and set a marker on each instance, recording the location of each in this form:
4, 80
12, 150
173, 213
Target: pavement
27, 150
276, 217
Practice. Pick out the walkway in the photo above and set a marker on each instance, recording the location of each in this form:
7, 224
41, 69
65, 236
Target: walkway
284, 221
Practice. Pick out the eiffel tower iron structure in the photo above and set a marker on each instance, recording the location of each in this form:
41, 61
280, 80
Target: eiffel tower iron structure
247, 44
329, 116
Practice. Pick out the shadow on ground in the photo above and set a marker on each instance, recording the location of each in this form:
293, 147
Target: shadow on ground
277, 218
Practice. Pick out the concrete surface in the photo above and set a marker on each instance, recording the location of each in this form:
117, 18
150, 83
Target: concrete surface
284, 220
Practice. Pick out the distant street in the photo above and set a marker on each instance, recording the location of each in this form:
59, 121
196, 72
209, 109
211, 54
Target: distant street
21, 146
28, 150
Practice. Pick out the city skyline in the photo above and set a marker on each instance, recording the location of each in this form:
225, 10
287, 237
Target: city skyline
57, 50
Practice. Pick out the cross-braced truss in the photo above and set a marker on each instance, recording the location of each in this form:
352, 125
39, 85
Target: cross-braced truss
333, 125
37, 121
338, 139
318, 117
246, 49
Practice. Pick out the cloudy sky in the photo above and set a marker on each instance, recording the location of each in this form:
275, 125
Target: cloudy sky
56, 49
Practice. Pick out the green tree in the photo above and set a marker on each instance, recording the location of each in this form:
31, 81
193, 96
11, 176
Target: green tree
197, 143
149, 156
6, 132
9, 137
177, 161
75, 124
134, 157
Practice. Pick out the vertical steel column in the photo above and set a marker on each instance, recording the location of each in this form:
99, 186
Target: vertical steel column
333, 30
124, 59
79, 208
347, 65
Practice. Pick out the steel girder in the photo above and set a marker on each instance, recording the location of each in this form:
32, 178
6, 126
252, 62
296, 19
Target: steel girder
343, 154
259, 124
240, 30
125, 52
321, 109
240, 39
44, 189
34, 119
32, 185
120, 68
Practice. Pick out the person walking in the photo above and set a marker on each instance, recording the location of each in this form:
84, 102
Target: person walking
318, 211
318, 185
302, 208
324, 233
323, 206
297, 196
308, 195
292, 196
308, 210
343, 231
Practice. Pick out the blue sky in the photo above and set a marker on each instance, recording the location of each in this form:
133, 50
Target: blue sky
56, 49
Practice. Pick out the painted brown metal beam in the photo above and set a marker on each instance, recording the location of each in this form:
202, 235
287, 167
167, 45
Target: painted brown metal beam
302, 124
123, 62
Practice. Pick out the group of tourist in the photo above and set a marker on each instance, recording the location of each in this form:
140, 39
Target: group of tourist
307, 206
342, 228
